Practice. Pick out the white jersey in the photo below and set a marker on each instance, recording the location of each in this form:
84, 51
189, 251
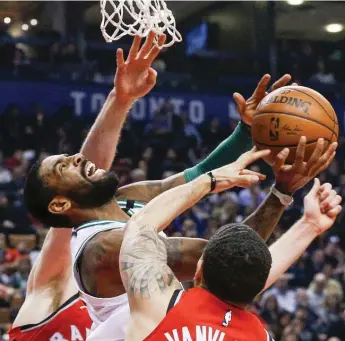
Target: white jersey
110, 316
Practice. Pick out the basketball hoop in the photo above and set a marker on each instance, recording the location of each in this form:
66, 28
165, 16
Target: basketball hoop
138, 17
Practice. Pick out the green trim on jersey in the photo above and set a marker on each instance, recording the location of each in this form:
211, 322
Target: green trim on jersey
98, 222
123, 203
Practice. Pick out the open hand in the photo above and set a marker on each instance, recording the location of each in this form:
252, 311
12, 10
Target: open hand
247, 108
134, 77
321, 206
290, 178
236, 174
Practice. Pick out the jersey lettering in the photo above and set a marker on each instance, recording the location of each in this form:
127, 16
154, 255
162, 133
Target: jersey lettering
203, 333
57, 337
75, 334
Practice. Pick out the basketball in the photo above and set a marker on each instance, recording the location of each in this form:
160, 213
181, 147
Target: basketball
288, 113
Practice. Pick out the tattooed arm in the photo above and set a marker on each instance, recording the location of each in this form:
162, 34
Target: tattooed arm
146, 276
266, 216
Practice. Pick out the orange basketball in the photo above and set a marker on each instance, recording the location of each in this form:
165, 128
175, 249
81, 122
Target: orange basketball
288, 113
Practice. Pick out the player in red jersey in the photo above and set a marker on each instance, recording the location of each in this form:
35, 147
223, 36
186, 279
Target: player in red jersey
235, 267
52, 309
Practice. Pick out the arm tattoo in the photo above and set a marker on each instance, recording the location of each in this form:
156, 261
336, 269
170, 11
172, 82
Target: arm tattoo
266, 216
143, 264
174, 251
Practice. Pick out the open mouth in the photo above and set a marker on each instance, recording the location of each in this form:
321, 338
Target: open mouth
92, 172
90, 169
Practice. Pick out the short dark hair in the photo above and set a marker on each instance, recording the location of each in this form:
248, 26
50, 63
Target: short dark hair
37, 196
236, 264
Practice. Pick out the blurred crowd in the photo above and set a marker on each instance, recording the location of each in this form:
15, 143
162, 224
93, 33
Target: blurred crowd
46, 56
306, 304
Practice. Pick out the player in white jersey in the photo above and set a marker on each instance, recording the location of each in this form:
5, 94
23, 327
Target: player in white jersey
71, 191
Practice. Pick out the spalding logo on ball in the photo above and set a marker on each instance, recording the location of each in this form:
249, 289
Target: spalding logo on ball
290, 112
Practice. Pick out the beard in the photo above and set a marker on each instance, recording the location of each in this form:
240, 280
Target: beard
94, 194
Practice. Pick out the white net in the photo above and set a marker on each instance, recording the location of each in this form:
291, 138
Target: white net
132, 17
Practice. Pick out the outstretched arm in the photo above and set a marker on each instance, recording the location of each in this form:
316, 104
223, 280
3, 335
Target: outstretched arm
321, 208
134, 79
228, 151
289, 178
45, 271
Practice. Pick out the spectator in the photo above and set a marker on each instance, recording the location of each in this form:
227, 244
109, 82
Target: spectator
317, 292
286, 297
323, 76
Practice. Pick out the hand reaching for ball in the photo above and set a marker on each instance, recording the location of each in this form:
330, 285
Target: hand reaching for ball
246, 108
290, 178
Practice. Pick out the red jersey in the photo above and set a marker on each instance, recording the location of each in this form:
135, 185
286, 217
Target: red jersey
197, 315
70, 322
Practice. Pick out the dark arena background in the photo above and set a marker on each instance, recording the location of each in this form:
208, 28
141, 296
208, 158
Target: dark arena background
56, 71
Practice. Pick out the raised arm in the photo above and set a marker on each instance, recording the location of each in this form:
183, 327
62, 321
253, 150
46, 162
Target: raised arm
53, 263
228, 151
321, 208
134, 79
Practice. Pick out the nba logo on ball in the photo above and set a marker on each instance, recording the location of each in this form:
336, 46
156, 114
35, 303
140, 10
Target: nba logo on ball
274, 129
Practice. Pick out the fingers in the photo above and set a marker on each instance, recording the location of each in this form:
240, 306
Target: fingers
240, 101
324, 161
151, 77
119, 58
325, 190
335, 202
249, 172
330, 201
315, 189
245, 180
315, 157
253, 155
260, 91
156, 49
280, 159
134, 48
334, 212
145, 49
281, 82
300, 152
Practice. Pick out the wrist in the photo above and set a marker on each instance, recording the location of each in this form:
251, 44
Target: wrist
246, 127
203, 182
121, 101
283, 189
310, 227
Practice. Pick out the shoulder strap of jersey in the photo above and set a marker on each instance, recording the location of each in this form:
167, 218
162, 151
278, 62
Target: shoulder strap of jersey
175, 298
63, 307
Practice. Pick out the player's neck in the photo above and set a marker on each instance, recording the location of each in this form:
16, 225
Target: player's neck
110, 211
237, 305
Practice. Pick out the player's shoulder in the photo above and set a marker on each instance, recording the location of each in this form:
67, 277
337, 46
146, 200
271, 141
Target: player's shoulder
72, 311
